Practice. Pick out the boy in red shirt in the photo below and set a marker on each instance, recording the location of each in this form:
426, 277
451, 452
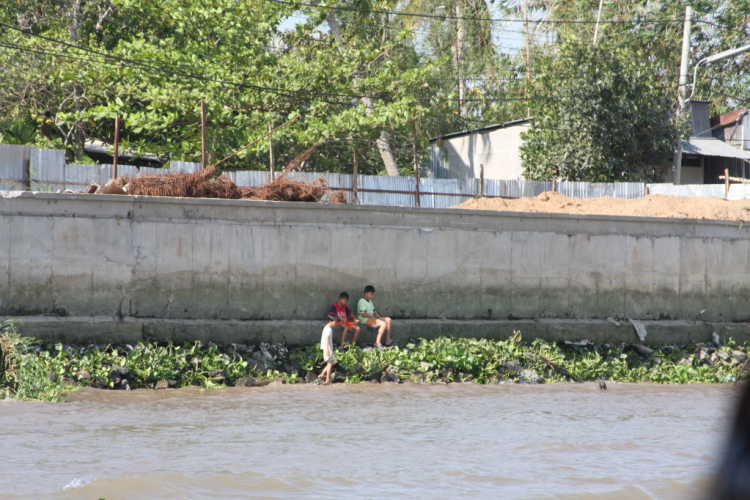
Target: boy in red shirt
345, 318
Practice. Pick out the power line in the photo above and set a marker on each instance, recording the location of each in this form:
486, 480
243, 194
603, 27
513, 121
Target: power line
470, 18
142, 65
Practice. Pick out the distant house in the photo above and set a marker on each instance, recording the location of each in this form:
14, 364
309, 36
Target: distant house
714, 145
705, 154
733, 128
461, 155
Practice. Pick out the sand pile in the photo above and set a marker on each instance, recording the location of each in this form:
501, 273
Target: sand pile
678, 207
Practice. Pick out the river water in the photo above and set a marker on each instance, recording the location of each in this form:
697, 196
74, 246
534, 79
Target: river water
560, 441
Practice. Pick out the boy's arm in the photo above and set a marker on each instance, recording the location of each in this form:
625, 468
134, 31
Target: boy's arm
351, 315
362, 312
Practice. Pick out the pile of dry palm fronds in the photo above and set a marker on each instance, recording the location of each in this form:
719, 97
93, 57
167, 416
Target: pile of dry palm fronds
201, 184
283, 189
205, 184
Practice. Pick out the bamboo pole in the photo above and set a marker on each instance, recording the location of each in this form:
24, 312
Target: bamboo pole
726, 183
735, 179
271, 159
415, 153
117, 146
355, 176
204, 159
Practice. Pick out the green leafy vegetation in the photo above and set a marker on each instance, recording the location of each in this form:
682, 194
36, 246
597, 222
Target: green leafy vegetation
32, 372
623, 130
355, 74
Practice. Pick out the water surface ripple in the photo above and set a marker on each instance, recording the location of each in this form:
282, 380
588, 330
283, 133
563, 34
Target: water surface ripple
555, 441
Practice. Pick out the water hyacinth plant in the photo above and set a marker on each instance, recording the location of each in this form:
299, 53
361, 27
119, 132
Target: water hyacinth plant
29, 370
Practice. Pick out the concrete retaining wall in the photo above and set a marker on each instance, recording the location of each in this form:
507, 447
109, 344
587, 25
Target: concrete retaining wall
185, 259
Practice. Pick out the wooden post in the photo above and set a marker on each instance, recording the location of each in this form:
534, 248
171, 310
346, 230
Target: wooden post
271, 159
726, 183
355, 175
416, 162
117, 146
554, 185
204, 159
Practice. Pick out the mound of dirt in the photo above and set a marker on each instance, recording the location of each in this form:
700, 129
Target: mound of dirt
677, 207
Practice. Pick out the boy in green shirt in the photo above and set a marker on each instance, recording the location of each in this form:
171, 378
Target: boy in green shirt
369, 316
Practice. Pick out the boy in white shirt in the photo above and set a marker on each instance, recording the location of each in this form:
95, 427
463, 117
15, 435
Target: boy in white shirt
326, 345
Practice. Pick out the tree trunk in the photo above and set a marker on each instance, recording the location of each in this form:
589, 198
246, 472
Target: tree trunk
384, 141
74, 26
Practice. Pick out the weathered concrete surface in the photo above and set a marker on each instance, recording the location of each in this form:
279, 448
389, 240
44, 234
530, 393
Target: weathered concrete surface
227, 260
131, 330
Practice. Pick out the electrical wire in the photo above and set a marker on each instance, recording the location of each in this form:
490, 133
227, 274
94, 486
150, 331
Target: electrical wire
470, 18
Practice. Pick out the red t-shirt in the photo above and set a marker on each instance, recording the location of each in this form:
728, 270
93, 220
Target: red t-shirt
341, 312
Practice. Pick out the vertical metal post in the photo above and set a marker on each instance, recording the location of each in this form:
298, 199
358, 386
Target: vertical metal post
677, 161
415, 154
117, 146
726, 183
355, 176
271, 158
204, 162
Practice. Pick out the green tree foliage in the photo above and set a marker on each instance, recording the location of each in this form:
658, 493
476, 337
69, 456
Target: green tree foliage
612, 122
257, 62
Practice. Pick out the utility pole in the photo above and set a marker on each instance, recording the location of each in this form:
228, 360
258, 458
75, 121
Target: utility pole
598, 18
682, 92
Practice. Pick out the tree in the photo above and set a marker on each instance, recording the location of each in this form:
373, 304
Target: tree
601, 116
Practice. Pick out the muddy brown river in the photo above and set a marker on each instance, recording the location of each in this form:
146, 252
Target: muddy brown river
555, 441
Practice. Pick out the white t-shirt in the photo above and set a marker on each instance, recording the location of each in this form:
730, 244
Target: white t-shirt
327, 340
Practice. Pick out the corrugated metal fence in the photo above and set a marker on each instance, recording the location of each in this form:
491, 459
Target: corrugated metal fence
23, 167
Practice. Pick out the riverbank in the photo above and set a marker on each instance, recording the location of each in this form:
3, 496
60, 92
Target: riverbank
32, 371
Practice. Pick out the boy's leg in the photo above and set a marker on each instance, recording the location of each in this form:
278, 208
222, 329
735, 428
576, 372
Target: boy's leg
356, 334
329, 370
381, 330
344, 333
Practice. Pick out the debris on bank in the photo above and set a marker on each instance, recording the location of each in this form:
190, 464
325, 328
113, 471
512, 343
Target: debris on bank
205, 184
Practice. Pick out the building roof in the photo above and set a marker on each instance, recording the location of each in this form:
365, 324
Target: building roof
488, 128
713, 147
728, 118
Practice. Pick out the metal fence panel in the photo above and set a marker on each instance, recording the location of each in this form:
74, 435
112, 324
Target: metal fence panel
13, 166
700, 190
739, 192
47, 168
386, 190
185, 166
48, 172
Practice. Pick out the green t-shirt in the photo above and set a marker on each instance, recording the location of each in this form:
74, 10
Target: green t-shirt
365, 306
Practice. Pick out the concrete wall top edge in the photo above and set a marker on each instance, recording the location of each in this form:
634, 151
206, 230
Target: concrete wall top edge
153, 207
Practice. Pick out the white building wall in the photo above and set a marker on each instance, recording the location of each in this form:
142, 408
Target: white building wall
497, 150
